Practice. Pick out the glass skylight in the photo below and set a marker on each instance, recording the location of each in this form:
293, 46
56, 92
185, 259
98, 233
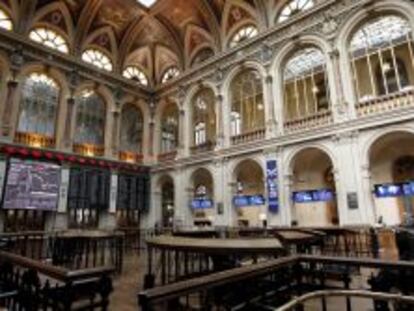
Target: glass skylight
147, 3
50, 39
134, 73
170, 74
303, 62
244, 33
379, 32
294, 7
98, 59
5, 21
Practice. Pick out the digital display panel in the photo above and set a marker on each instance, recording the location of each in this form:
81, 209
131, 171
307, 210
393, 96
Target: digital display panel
248, 200
201, 203
321, 195
389, 190
32, 185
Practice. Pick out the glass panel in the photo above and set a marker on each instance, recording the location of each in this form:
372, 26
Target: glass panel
170, 74
134, 73
5, 21
50, 39
38, 105
204, 118
90, 119
304, 62
98, 59
294, 7
243, 34
131, 129
247, 106
169, 129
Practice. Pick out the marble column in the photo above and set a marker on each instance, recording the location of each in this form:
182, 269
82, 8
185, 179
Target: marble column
219, 122
70, 103
115, 133
269, 105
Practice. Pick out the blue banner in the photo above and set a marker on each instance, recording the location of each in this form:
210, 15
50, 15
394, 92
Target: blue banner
272, 186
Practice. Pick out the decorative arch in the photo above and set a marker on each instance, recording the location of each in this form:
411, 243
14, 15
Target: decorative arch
232, 20
354, 20
290, 8
62, 24
164, 59
196, 39
143, 59
103, 39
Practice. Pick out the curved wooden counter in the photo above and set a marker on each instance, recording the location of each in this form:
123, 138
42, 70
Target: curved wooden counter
222, 246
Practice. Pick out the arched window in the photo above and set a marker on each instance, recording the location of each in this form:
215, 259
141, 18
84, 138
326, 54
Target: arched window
131, 129
5, 21
306, 88
98, 59
202, 55
243, 34
136, 74
382, 57
235, 123
247, 102
49, 38
204, 117
90, 119
169, 129
38, 105
170, 74
294, 7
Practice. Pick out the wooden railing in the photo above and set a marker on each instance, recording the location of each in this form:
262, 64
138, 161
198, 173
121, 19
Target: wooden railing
274, 283
28, 284
35, 140
309, 122
248, 136
68, 249
89, 150
386, 103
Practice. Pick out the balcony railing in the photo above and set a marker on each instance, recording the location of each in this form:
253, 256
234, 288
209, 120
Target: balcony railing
35, 140
130, 157
205, 147
167, 156
248, 136
308, 122
385, 103
89, 150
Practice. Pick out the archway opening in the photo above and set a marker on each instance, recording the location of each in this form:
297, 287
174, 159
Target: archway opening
202, 202
313, 190
167, 201
248, 194
392, 176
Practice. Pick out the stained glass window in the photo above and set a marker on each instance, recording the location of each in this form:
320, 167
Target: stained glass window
247, 108
5, 21
38, 105
294, 7
170, 74
90, 119
49, 38
304, 62
379, 32
243, 34
98, 59
136, 74
131, 129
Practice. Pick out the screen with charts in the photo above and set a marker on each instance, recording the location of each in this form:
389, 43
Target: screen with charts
32, 185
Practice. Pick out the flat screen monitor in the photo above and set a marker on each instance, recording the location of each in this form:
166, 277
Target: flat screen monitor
302, 197
321, 195
32, 185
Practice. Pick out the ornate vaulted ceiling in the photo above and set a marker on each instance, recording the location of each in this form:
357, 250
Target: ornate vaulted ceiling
168, 33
